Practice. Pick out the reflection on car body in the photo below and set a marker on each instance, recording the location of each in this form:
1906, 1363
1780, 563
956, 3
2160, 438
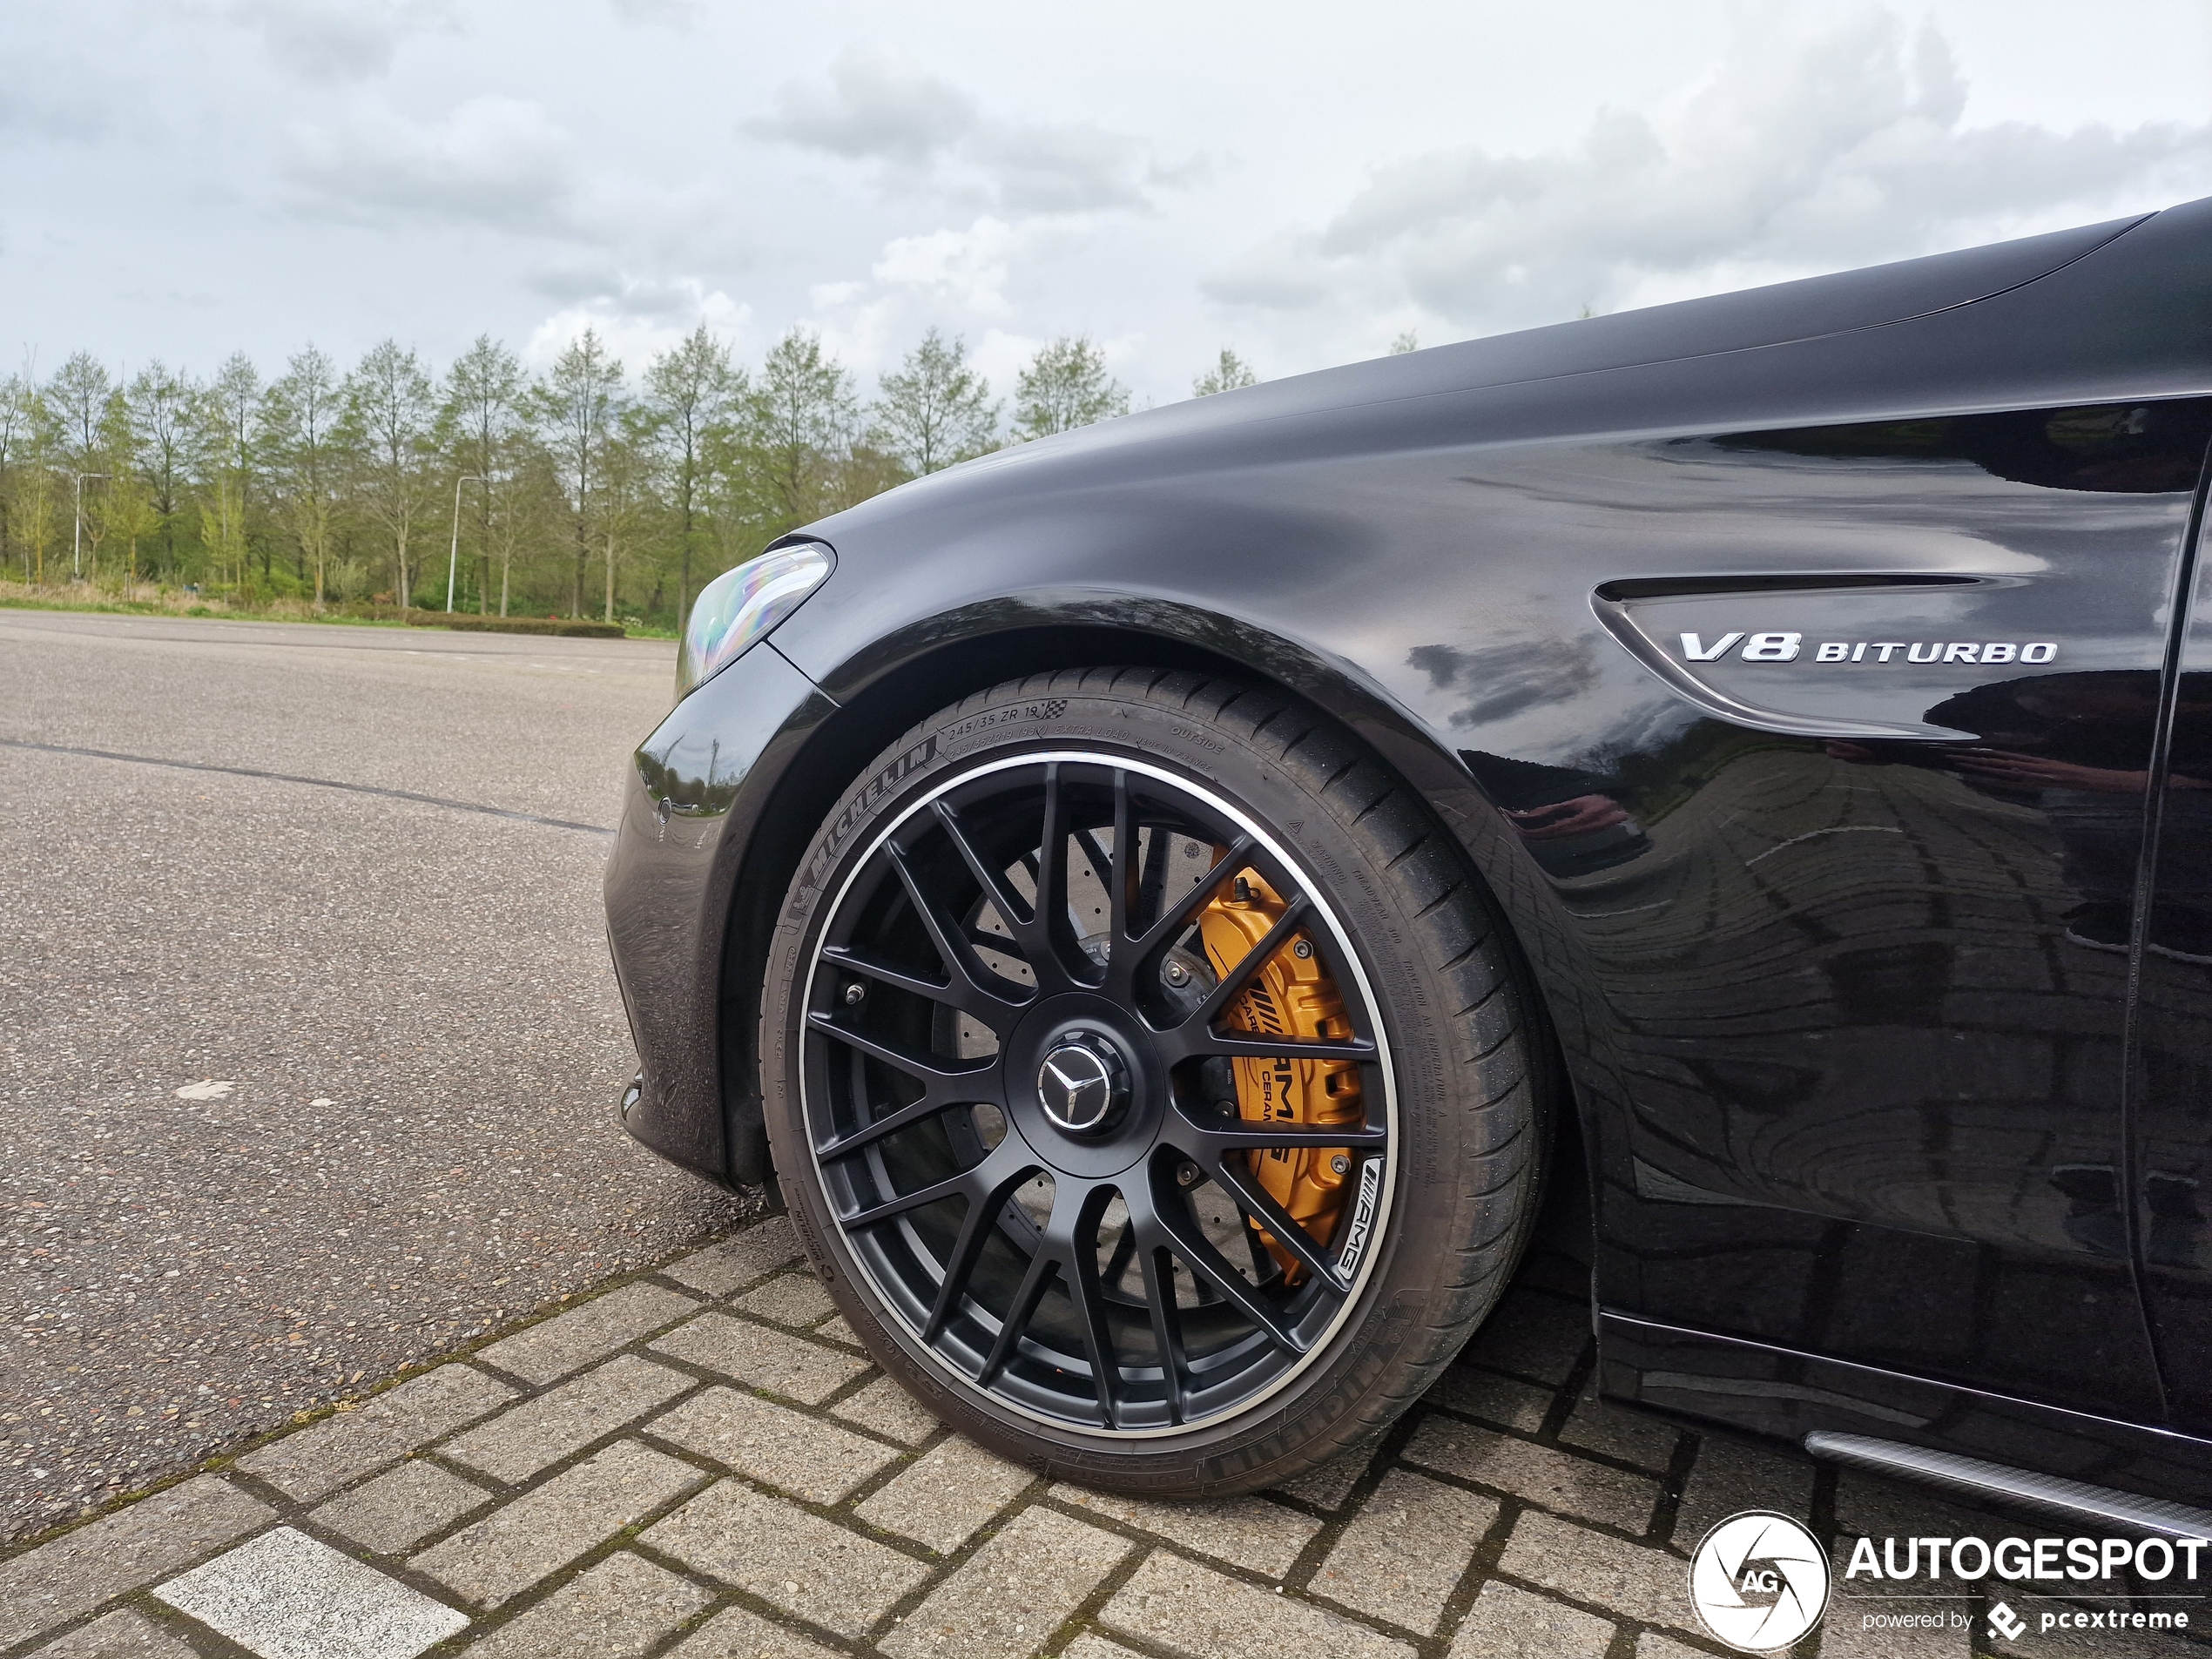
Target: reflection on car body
1816, 681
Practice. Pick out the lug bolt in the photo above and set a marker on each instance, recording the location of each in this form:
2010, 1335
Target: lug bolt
1176, 973
855, 994
1341, 1164
1189, 1174
1303, 950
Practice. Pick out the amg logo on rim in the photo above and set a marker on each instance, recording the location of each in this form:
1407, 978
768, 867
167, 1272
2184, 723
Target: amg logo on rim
1787, 647
1363, 1218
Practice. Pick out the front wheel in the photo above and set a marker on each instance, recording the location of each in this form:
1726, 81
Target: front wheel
1147, 1074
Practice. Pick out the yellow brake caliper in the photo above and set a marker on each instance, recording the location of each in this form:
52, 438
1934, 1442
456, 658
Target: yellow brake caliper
1292, 996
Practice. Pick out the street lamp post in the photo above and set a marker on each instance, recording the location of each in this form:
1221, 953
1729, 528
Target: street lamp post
77, 546
452, 553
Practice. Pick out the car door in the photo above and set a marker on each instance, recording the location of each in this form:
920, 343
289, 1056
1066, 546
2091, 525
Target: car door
2170, 1081
1875, 985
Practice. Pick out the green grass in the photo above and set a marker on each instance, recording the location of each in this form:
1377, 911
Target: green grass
174, 607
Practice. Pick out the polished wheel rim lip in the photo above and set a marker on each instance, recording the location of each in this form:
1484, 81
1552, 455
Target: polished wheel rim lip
1379, 1067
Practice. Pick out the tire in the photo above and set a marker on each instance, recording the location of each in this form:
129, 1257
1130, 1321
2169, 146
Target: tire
1009, 1159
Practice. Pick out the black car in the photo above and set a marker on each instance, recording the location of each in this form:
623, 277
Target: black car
1171, 904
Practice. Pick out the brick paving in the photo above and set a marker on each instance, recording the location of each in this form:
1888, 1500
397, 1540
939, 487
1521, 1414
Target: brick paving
700, 1463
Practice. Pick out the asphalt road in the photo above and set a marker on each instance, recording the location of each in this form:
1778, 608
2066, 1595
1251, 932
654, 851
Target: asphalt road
411, 1003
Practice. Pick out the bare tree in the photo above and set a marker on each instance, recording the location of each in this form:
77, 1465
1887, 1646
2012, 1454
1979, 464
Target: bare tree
933, 410
124, 507
32, 445
692, 393
482, 417
1066, 386
575, 405
228, 417
304, 409
390, 412
1230, 372
15, 422
160, 405
803, 414
78, 394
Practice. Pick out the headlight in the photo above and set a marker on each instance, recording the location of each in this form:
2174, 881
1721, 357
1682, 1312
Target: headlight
742, 605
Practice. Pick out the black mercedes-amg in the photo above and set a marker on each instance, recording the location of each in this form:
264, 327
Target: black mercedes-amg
1170, 904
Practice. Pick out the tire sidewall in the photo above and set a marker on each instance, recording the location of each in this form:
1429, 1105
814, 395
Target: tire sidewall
1322, 1402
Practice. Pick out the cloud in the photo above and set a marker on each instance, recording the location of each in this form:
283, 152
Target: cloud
339, 40
639, 318
1508, 678
493, 160
919, 130
1799, 155
966, 269
870, 110
668, 14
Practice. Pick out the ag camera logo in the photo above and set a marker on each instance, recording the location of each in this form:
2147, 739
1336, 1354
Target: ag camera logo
1759, 1581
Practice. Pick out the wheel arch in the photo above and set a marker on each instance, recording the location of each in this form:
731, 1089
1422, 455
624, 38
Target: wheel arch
883, 688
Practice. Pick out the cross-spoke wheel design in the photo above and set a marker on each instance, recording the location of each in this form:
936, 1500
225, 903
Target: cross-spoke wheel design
1096, 1093
1143, 1067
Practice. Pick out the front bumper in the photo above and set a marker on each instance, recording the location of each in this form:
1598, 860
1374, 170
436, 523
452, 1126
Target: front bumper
693, 797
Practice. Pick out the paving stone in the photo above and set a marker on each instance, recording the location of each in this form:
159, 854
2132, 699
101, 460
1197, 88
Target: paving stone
773, 1444
1618, 1432
790, 1298
1014, 1593
1327, 1487
286, 1595
1250, 1533
1493, 1399
1533, 1335
571, 1340
1872, 1507
1651, 1645
317, 1461
735, 1632
123, 1634
1089, 1647
617, 1610
1555, 1478
759, 1358
735, 1262
884, 1408
396, 1511
839, 1331
126, 1550
495, 1558
1507, 1624
1728, 1477
1632, 1580
941, 1499
1402, 1555
1195, 1613
788, 1558
539, 1432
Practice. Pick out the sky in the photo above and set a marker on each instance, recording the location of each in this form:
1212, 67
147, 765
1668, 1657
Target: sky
1302, 182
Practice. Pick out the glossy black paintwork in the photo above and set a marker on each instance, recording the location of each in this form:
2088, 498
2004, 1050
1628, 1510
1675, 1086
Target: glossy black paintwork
1849, 1088
2166, 1185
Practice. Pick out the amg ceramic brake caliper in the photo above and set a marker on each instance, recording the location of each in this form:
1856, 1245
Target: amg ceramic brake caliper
1293, 996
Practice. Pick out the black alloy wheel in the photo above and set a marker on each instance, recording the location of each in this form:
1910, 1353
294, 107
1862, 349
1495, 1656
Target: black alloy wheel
1085, 1097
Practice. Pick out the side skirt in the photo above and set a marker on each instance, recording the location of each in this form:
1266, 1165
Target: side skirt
2069, 1500
1760, 1389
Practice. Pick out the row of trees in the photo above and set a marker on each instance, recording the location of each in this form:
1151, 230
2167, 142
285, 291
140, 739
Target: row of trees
580, 489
